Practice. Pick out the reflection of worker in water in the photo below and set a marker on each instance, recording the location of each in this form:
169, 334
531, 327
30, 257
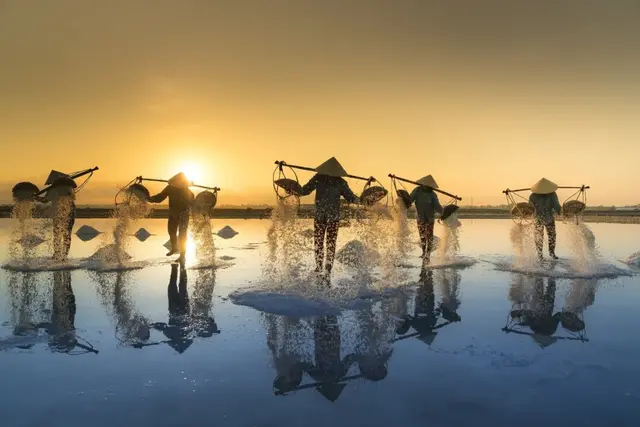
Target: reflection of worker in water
177, 330
537, 311
328, 369
63, 315
180, 201
425, 315
544, 198
329, 186
427, 204
203, 322
286, 344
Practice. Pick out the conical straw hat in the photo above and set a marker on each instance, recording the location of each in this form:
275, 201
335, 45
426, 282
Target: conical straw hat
331, 167
544, 186
428, 181
179, 180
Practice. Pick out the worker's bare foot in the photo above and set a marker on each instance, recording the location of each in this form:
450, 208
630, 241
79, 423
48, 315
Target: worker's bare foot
171, 252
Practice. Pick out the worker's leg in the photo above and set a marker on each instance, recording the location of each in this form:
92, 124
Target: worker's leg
320, 228
172, 228
332, 238
551, 234
183, 229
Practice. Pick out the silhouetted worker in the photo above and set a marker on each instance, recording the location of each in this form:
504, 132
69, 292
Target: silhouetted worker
427, 204
544, 198
180, 201
62, 197
329, 186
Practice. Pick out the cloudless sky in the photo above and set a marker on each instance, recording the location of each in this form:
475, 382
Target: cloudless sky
483, 95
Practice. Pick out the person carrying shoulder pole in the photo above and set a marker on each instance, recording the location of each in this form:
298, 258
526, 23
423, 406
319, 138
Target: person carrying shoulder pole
427, 204
180, 201
545, 199
329, 185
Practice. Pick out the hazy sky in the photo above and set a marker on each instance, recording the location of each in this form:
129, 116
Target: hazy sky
483, 94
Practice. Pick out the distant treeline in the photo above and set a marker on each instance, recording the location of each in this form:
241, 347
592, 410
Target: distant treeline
306, 211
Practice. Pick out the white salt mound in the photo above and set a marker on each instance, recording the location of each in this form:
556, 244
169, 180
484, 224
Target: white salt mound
168, 245
354, 252
227, 232
86, 233
109, 253
30, 241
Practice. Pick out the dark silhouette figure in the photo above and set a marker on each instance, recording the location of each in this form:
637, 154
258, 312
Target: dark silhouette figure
64, 218
180, 201
329, 186
544, 198
427, 205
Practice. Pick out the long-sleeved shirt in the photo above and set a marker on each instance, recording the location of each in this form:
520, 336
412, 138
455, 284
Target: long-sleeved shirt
328, 190
179, 199
427, 204
546, 205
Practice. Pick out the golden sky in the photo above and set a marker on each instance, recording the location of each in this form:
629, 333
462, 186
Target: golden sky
483, 95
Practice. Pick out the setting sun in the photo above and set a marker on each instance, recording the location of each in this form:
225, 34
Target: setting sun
193, 172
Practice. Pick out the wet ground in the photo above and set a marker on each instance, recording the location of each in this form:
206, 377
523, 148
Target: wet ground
151, 345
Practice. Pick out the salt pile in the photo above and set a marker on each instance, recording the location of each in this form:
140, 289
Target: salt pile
227, 232
86, 233
30, 241
354, 252
142, 234
110, 253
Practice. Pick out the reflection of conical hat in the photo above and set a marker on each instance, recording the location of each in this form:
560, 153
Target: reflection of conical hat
332, 168
179, 180
428, 181
544, 186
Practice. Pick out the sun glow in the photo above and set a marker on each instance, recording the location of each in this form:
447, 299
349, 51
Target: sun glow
193, 172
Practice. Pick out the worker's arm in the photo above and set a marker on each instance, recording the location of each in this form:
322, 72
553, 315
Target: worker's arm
159, 198
348, 195
436, 204
310, 186
413, 195
556, 203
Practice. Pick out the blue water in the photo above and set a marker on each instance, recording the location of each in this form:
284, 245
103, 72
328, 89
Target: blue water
390, 360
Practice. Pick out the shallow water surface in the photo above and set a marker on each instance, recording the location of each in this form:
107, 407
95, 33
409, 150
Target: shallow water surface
147, 344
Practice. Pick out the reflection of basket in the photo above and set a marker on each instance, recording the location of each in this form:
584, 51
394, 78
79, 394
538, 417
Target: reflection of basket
290, 186
373, 195
571, 322
523, 210
573, 207
24, 191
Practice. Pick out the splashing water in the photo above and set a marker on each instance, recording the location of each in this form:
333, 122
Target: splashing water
450, 241
114, 248
203, 236
379, 241
26, 233
288, 241
401, 232
582, 244
522, 239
